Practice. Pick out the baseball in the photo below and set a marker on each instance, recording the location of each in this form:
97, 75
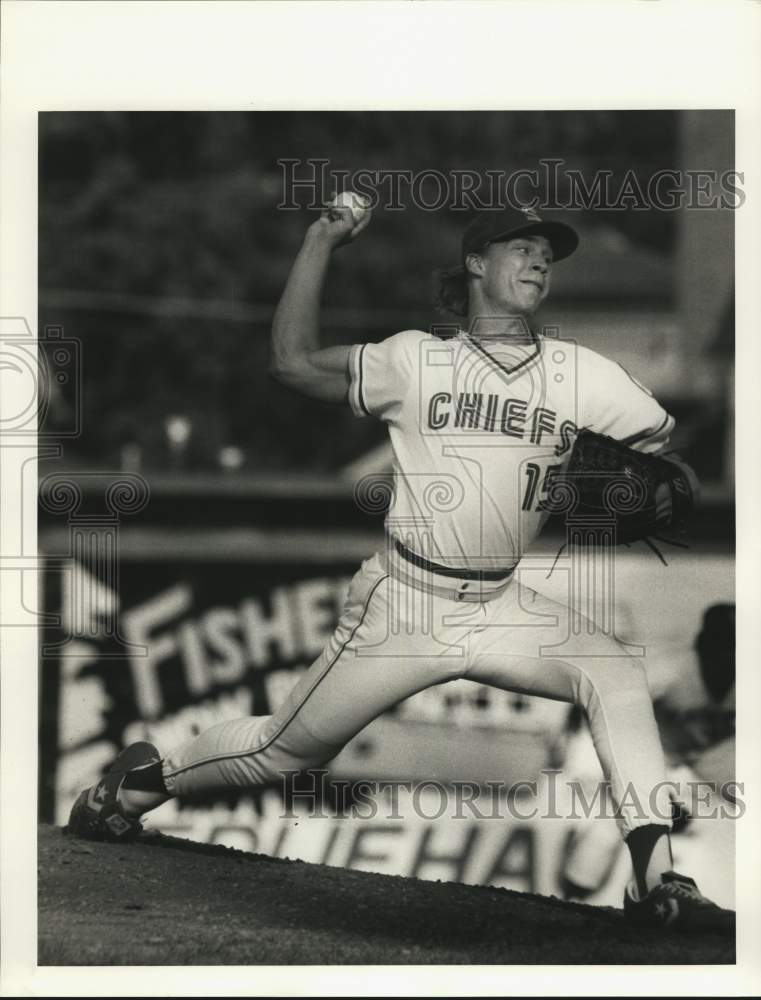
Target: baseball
358, 204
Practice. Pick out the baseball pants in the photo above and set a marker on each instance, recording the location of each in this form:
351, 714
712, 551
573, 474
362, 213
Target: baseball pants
398, 635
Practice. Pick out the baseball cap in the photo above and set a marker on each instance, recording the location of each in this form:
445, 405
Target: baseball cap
491, 226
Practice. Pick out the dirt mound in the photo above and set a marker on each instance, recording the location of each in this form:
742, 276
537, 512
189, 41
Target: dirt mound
164, 901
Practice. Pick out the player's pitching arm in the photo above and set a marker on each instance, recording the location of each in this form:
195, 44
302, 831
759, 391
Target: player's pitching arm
296, 357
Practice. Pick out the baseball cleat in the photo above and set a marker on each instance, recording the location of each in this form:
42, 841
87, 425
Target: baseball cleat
677, 904
96, 814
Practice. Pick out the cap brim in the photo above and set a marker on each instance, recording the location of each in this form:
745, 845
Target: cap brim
563, 239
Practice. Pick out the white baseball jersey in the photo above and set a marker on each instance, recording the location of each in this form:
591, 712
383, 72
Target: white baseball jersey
478, 429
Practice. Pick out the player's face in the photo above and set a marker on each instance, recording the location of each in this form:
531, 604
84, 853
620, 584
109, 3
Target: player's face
516, 276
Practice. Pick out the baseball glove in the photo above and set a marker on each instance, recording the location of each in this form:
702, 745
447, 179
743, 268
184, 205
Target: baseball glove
642, 494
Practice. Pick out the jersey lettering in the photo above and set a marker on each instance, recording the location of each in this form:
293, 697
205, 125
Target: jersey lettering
476, 410
436, 419
543, 420
468, 409
568, 431
513, 417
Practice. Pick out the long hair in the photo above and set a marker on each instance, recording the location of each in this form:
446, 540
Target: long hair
450, 291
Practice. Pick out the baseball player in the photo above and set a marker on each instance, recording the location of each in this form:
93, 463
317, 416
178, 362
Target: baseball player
480, 424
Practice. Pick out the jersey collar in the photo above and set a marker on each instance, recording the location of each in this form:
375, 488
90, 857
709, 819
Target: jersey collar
535, 344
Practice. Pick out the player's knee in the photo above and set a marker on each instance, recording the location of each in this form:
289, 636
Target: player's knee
630, 682
634, 674
620, 679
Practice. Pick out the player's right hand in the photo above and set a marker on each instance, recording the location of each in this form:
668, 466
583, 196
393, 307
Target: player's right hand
337, 227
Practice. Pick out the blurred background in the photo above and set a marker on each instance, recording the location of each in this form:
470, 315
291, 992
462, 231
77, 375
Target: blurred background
162, 253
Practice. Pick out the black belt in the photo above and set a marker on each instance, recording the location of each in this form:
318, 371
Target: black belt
464, 574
